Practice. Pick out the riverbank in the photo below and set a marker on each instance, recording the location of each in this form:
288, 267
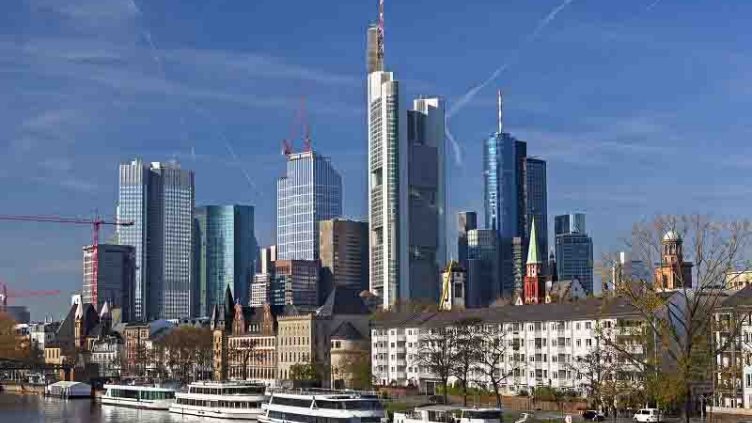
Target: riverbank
22, 389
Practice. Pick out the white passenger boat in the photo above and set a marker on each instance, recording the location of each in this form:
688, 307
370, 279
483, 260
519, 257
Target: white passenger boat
449, 414
149, 397
322, 406
222, 400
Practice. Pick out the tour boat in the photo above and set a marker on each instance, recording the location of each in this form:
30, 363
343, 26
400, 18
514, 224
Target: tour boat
449, 414
222, 400
314, 405
148, 397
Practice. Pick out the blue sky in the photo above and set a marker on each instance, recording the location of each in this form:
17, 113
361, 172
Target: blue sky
640, 106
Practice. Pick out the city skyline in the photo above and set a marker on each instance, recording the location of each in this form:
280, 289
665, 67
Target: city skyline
621, 133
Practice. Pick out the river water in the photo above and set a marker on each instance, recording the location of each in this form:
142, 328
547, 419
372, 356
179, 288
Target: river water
37, 409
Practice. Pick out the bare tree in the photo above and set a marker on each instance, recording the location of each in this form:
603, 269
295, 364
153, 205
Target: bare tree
435, 354
678, 303
467, 352
491, 364
244, 352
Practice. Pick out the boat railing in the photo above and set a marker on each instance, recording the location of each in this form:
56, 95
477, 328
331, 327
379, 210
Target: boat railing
322, 391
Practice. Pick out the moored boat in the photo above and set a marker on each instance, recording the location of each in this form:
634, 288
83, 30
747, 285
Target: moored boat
138, 396
222, 400
322, 406
449, 414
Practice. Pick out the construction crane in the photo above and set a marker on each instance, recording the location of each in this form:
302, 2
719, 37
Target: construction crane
95, 223
299, 122
5, 294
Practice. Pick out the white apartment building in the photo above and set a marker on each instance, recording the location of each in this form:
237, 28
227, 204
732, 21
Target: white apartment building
544, 342
733, 372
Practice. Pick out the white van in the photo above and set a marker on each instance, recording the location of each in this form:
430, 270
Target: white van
647, 415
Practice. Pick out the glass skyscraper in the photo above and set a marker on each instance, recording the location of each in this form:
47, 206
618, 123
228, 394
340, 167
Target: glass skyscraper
574, 250
503, 185
310, 192
224, 255
158, 198
536, 200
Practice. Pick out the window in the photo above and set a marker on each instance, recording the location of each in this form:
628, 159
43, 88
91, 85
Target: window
578, 342
587, 325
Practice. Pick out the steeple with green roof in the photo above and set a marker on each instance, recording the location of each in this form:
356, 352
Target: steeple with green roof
532, 252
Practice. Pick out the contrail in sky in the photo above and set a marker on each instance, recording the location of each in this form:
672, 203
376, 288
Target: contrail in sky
652, 5
455, 145
542, 24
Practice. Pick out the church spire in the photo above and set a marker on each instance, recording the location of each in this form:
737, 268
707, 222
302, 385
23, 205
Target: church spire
532, 253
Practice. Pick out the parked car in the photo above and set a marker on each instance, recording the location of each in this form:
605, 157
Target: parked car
436, 399
647, 415
593, 415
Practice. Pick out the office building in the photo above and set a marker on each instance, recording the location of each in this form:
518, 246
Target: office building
387, 179
483, 269
536, 201
625, 270
224, 255
159, 199
111, 278
262, 286
574, 250
267, 257
466, 221
344, 255
311, 191
426, 200
299, 282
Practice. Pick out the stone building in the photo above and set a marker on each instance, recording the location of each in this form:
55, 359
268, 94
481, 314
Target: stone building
673, 272
349, 351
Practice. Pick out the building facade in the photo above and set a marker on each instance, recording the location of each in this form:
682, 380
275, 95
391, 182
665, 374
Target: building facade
536, 201
344, 254
466, 221
115, 275
574, 250
224, 255
311, 191
158, 198
298, 281
672, 272
483, 284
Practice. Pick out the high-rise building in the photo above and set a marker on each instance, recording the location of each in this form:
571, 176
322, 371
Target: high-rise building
298, 280
482, 268
466, 221
224, 255
267, 257
426, 200
387, 179
263, 281
115, 273
627, 270
311, 191
536, 201
574, 250
158, 198
344, 255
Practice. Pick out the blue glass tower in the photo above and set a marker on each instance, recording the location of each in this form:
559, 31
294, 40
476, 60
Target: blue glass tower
503, 185
224, 255
574, 250
310, 192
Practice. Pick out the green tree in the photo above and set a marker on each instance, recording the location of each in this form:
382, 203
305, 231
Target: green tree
307, 374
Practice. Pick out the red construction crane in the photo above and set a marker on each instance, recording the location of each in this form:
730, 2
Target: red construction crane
95, 225
5, 294
299, 122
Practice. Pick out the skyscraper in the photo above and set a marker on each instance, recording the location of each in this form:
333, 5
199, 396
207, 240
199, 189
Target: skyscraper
466, 221
426, 200
536, 201
115, 276
387, 179
311, 191
574, 250
225, 250
482, 268
158, 198
297, 281
344, 255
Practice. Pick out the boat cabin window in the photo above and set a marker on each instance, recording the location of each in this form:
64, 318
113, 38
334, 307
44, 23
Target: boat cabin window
292, 402
300, 418
482, 414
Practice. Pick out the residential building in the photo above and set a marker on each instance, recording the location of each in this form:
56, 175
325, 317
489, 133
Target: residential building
310, 191
738, 280
115, 271
42, 333
466, 221
158, 198
732, 335
224, 255
387, 175
672, 272
574, 250
545, 342
483, 284
299, 280
344, 254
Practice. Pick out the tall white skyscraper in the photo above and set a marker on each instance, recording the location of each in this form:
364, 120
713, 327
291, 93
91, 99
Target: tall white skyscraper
406, 195
311, 191
159, 199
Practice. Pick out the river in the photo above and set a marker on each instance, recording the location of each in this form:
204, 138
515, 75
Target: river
37, 409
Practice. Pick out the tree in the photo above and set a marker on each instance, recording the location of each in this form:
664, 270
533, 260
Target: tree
356, 368
678, 348
12, 346
184, 347
491, 363
466, 353
242, 353
435, 354
305, 374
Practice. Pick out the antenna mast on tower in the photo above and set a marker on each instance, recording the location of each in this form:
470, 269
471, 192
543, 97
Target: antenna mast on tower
381, 32
501, 116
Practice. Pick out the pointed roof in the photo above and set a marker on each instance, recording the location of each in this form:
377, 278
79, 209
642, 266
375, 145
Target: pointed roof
346, 331
532, 252
343, 300
105, 312
79, 310
229, 301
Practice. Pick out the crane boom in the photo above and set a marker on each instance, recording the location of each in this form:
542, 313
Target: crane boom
95, 223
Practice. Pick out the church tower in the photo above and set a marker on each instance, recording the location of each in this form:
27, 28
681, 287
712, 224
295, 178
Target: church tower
535, 281
673, 272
